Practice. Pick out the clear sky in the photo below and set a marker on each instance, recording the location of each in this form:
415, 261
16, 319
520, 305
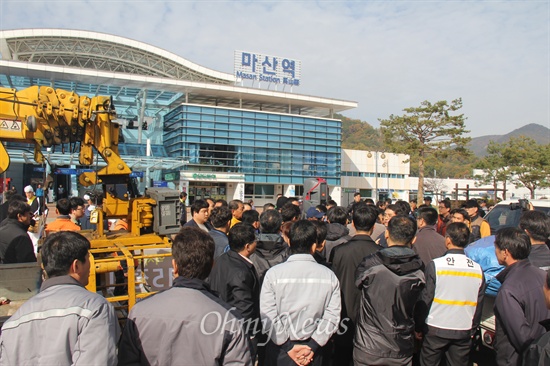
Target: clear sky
385, 55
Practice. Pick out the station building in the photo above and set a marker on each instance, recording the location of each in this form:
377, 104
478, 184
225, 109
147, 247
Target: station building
183, 125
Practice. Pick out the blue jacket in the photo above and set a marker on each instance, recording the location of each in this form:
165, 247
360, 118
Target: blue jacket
483, 252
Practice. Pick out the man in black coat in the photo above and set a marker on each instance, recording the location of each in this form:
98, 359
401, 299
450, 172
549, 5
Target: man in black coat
235, 280
220, 221
271, 248
200, 211
345, 259
538, 352
8, 196
520, 303
15, 244
338, 233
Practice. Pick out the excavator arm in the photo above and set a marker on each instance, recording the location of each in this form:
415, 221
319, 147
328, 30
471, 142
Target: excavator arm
47, 117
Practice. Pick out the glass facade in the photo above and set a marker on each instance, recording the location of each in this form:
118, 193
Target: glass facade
266, 147
372, 175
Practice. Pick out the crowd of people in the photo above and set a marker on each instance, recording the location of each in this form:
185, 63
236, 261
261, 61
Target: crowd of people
386, 283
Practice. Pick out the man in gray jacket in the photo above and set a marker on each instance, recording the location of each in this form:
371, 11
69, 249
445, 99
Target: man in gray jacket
64, 324
299, 303
186, 324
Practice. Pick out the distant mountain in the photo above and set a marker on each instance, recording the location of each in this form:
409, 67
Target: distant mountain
539, 133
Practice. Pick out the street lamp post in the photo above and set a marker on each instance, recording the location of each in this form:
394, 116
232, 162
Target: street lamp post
386, 165
383, 156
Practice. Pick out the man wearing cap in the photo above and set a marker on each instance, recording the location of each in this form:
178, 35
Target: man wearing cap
85, 221
480, 228
428, 201
314, 214
33, 201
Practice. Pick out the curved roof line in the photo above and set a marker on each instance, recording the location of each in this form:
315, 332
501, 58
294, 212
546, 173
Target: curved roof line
101, 51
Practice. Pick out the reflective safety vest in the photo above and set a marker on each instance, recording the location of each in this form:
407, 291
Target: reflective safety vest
457, 283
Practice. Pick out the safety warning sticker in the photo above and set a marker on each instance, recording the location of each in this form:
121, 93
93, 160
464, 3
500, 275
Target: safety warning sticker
10, 125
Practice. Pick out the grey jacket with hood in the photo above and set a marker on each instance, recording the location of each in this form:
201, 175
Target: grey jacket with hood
336, 234
391, 281
64, 324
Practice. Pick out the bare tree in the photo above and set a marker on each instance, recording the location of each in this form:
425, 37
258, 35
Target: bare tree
435, 185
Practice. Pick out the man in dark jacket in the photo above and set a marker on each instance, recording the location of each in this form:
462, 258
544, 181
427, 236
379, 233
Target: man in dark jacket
290, 212
345, 259
321, 228
271, 249
337, 233
15, 244
520, 303
429, 244
221, 221
356, 199
8, 196
391, 281
538, 352
444, 216
186, 323
235, 280
199, 212
536, 225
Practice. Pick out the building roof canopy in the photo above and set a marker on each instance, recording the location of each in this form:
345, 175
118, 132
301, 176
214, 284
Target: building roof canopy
99, 51
100, 64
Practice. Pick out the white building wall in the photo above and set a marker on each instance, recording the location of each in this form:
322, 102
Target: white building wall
448, 188
368, 163
376, 170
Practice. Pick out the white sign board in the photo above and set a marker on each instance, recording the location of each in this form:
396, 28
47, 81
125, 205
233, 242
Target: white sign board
272, 69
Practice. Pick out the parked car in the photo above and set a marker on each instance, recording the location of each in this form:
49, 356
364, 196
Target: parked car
507, 213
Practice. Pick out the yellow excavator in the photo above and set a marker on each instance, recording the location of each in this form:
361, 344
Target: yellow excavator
53, 118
